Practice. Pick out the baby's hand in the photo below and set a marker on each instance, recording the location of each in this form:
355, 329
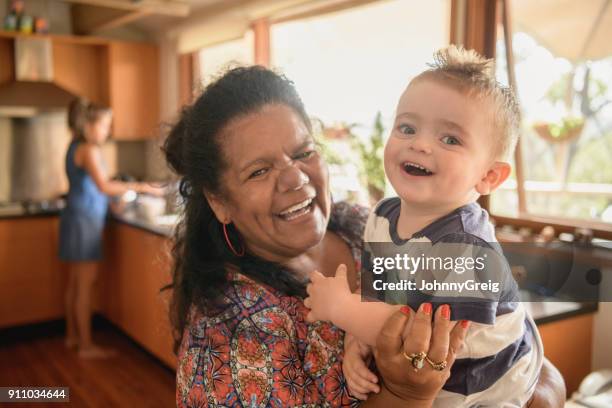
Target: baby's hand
326, 295
360, 380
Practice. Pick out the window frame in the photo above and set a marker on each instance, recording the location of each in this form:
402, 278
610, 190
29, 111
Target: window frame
474, 24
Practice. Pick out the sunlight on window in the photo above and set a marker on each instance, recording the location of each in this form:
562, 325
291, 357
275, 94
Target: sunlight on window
566, 133
214, 60
347, 66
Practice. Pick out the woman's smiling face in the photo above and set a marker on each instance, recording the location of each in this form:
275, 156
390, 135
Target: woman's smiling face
275, 186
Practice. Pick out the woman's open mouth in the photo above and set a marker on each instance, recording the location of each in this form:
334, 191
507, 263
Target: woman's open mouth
297, 210
415, 169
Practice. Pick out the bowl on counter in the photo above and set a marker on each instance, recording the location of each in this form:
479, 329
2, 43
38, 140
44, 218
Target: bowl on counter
150, 208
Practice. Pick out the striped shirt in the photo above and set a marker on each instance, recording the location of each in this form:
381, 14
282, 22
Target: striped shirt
502, 356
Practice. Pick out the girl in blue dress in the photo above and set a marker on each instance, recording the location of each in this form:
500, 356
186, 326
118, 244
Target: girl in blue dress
82, 220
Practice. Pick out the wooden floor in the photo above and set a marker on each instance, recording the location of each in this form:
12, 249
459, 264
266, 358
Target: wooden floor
36, 356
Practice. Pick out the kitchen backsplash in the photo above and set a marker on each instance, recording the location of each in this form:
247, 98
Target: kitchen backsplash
33, 151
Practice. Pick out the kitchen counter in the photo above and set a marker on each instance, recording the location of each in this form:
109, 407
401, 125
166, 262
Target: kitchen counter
43, 213
164, 227
543, 310
551, 311
137, 264
18, 210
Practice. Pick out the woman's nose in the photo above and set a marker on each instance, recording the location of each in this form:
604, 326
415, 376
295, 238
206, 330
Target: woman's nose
291, 178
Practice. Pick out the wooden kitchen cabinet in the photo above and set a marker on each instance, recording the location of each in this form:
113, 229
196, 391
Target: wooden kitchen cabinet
7, 68
82, 69
134, 89
122, 75
32, 279
136, 266
568, 345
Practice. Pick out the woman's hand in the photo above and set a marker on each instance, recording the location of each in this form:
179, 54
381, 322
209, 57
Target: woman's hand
326, 295
360, 380
408, 380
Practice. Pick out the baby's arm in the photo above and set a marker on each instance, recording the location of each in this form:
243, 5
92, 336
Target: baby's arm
331, 299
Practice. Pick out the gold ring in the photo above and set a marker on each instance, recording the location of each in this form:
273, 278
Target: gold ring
437, 366
416, 359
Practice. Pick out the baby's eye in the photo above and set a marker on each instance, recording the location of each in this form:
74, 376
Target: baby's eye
450, 140
304, 155
406, 129
258, 173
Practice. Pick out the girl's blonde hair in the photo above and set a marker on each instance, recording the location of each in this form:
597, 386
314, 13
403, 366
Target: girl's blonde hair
469, 72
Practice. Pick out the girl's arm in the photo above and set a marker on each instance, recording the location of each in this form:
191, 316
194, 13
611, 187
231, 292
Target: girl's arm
330, 299
90, 158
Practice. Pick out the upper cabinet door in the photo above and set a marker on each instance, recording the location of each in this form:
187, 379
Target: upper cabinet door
81, 68
134, 90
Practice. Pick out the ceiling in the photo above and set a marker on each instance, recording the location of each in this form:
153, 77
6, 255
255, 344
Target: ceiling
98, 16
576, 30
155, 17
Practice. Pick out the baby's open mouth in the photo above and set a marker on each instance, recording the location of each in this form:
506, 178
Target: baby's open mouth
297, 210
415, 169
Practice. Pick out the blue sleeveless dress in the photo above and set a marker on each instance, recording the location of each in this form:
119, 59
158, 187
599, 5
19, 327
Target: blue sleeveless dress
82, 220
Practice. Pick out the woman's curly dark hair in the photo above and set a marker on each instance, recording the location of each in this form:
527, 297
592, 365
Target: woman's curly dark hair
193, 149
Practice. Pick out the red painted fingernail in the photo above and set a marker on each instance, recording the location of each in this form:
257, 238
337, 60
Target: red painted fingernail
405, 310
446, 311
427, 308
464, 323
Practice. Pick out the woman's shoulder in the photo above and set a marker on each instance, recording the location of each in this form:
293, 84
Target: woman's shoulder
233, 357
348, 219
240, 293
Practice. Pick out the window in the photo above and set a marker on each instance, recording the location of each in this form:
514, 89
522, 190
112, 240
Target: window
212, 61
563, 66
349, 65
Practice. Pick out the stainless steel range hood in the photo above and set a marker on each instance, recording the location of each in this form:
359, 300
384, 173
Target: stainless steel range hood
33, 90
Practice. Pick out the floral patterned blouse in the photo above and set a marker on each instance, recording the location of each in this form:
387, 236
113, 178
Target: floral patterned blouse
259, 351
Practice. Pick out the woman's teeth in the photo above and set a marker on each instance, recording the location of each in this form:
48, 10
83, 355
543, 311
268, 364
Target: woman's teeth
296, 210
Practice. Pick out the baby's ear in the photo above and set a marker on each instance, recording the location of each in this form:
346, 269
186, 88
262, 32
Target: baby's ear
497, 174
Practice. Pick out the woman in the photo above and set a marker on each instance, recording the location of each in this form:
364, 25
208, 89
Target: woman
82, 220
258, 219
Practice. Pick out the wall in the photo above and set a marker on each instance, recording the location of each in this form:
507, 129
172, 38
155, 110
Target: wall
156, 168
131, 158
5, 159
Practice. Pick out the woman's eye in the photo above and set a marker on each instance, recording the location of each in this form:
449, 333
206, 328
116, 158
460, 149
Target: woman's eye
406, 129
258, 173
450, 140
304, 155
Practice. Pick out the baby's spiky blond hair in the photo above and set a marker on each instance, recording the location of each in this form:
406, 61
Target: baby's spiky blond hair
469, 72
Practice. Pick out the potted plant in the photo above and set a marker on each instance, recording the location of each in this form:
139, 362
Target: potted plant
567, 130
371, 153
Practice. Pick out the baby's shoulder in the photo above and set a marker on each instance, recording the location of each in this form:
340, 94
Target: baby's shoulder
384, 214
468, 224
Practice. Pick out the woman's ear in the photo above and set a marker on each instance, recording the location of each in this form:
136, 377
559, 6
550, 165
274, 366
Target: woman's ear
497, 174
218, 207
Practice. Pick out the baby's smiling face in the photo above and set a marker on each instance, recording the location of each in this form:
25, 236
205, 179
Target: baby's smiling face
441, 147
